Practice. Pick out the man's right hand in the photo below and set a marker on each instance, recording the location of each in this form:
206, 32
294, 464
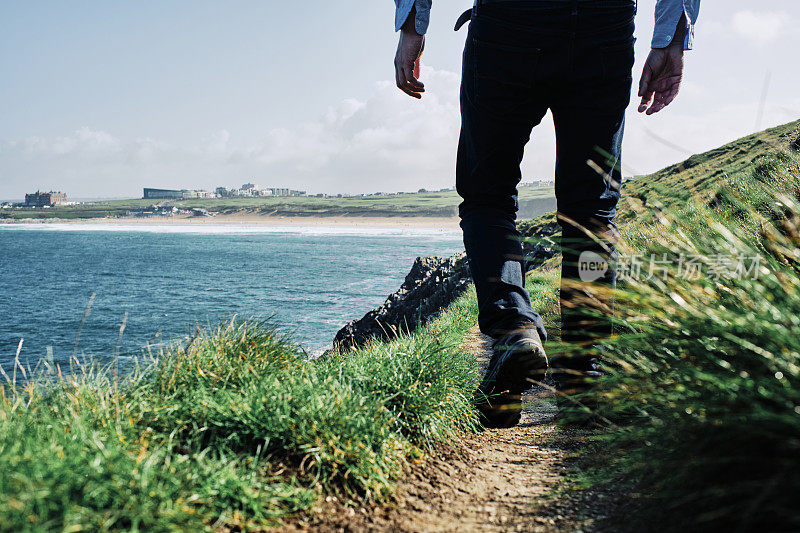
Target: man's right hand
408, 58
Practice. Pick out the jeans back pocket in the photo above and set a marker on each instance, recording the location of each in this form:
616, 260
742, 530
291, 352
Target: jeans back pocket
504, 76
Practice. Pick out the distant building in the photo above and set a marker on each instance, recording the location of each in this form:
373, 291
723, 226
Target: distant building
162, 194
191, 194
247, 190
279, 191
242, 193
174, 194
41, 199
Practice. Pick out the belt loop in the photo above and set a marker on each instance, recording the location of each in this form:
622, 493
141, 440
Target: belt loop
464, 18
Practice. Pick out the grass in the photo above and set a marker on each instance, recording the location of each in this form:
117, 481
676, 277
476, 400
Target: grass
702, 406
234, 428
698, 179
533, 201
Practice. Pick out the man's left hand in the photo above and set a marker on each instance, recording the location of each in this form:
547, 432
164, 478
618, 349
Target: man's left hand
661, 78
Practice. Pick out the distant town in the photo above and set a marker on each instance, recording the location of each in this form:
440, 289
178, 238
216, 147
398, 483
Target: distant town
44, 200
251, 190
248, 190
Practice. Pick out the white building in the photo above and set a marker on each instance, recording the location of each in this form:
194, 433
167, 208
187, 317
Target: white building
192, 194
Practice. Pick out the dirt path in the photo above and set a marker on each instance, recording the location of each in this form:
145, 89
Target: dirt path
499, 480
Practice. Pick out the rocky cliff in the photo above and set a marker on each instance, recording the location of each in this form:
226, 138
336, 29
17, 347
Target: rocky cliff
432, 284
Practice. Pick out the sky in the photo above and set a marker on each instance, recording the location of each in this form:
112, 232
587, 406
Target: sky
101, 99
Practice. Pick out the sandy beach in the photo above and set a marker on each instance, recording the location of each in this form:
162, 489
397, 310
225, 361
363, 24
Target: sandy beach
446, 223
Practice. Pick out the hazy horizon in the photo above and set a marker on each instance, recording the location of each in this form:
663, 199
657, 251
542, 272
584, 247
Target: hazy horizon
101, 100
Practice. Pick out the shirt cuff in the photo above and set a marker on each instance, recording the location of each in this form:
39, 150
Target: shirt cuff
662, 37
421, 19
668, 14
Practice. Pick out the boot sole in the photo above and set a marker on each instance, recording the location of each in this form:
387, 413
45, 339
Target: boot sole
517, 375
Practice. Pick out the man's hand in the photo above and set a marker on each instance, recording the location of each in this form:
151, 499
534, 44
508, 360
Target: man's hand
663, 73
661, 78
407, 60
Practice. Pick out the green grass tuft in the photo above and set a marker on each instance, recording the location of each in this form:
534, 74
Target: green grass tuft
235, 427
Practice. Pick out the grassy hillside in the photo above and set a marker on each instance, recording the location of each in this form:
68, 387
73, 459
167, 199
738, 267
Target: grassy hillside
704, 179
701, 408
533, 202
699, 178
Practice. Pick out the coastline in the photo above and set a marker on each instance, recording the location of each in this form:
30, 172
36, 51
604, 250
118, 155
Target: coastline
444, 223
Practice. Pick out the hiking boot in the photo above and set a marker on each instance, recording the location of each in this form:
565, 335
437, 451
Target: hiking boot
518, 362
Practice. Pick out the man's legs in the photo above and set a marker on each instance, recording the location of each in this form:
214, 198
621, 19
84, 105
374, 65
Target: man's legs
587, 196
500, 105
576, 59
521, 58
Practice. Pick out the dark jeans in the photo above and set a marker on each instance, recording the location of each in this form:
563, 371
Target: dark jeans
573, 57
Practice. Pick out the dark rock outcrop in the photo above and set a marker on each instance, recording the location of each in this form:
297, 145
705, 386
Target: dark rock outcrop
433, 284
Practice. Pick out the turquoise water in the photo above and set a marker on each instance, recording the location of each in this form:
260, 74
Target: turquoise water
169, 279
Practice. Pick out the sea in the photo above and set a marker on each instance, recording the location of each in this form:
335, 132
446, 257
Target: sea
112, 292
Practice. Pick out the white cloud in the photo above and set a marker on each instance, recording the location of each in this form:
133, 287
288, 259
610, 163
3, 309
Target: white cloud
83, 140
760, 27
218, 143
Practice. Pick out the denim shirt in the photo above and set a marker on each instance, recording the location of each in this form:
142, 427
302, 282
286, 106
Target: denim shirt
668, 13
